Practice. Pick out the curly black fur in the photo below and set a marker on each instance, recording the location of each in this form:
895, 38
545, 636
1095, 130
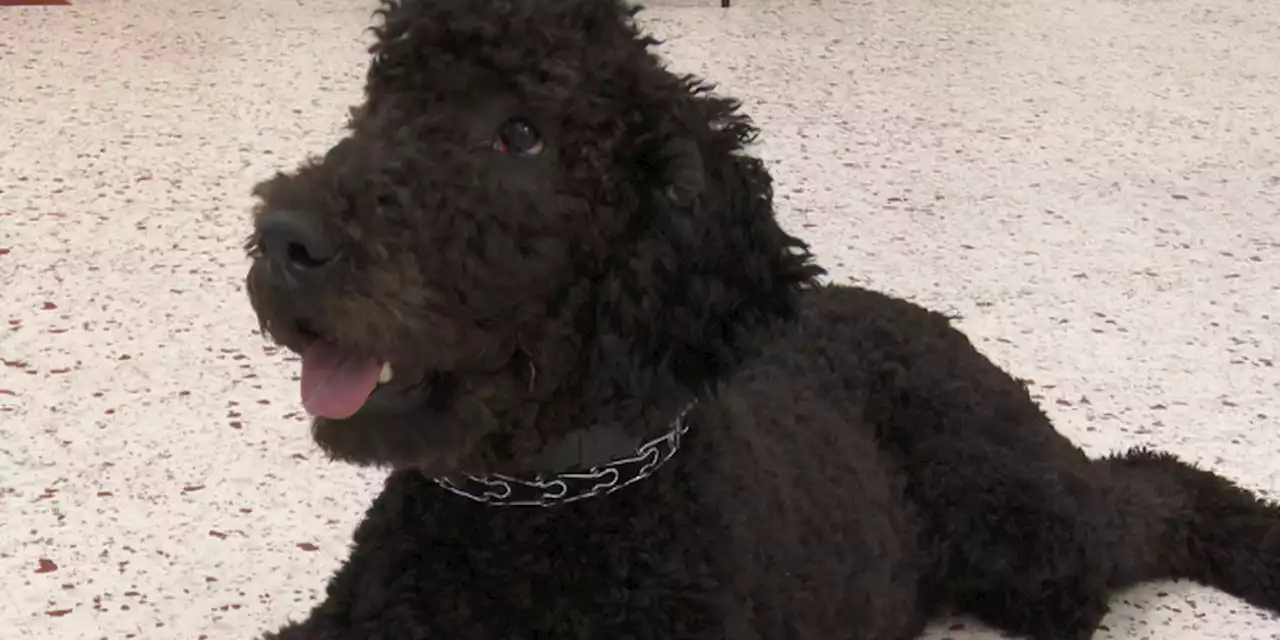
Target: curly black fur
854, 467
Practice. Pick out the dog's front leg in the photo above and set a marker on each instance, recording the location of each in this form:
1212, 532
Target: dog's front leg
334, 621
400, 581
293, 631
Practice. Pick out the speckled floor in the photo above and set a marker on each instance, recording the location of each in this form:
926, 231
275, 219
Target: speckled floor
1093, 185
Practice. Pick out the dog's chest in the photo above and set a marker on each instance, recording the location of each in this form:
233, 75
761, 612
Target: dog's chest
639, 563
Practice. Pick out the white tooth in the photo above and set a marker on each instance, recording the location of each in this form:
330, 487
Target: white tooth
385, 375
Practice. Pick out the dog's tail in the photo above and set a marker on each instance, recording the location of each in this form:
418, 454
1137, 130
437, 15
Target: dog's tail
1175, 521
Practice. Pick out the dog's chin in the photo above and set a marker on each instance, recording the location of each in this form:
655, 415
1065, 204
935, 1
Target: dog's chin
399, 437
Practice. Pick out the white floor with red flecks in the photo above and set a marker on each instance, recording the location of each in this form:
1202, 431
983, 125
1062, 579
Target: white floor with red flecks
1093, 186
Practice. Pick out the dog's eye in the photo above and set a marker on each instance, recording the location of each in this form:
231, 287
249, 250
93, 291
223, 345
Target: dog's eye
517, 137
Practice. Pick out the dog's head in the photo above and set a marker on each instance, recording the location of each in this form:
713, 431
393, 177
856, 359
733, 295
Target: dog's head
530, 225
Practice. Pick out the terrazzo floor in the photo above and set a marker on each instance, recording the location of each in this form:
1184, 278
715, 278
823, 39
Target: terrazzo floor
1092, 185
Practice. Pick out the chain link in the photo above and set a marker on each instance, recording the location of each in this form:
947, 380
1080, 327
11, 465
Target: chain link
562, 488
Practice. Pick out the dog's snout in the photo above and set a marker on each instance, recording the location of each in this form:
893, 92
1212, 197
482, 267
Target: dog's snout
295, 243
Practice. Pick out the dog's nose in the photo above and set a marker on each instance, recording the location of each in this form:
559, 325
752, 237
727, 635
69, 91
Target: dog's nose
295, 243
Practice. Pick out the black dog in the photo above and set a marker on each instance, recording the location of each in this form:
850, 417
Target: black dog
541, 280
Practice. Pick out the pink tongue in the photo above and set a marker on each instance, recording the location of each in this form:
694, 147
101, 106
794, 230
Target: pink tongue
335, 384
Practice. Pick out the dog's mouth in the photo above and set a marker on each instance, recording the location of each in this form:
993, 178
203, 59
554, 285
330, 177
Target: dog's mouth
339, 383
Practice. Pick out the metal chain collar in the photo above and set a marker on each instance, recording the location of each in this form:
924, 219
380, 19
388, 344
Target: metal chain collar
571, 486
